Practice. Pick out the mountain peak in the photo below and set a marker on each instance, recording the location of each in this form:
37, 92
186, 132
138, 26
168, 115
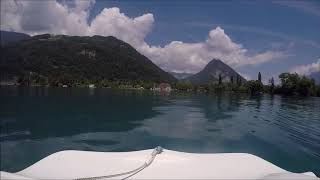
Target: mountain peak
211, 72
214, 63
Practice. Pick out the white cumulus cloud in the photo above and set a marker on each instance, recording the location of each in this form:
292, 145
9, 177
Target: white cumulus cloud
71, 18
110, 22
307, 69
191, 57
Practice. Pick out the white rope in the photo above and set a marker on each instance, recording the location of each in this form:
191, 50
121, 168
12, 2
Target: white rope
154, 153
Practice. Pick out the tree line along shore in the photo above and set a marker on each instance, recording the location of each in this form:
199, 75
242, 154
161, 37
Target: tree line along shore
290, 84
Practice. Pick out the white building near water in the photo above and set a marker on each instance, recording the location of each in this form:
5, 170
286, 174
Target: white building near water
92, 86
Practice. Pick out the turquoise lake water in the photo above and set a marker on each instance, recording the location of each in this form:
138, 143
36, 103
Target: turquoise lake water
36, 122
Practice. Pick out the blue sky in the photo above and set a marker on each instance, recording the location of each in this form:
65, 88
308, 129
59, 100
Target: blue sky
255, 25
181, 19
277, 36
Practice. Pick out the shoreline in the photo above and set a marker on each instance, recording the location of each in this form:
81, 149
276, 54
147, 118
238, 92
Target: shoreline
173, 91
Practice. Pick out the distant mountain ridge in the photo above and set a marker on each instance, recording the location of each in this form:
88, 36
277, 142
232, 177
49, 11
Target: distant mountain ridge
180, 75
74, 58
8, 38
316, 77
210, 73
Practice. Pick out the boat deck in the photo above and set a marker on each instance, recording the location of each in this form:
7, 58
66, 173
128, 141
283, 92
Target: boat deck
166, 165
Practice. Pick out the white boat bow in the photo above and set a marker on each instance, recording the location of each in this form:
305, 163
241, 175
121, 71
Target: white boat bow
165, 165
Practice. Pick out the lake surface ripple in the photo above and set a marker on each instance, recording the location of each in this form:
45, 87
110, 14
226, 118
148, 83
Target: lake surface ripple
36, 122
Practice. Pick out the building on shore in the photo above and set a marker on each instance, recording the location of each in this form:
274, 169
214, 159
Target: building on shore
92, 86
163, 87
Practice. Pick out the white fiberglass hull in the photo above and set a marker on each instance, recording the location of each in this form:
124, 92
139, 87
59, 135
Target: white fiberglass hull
166, 165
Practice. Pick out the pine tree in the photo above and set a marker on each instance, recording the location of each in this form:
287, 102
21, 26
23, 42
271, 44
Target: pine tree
238, 80
231, 79
271, 85
259, 77
220, 79
272, 82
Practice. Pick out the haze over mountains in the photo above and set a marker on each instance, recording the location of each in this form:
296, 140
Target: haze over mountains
180, 76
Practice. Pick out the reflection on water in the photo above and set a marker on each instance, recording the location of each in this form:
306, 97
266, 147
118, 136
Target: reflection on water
36, 122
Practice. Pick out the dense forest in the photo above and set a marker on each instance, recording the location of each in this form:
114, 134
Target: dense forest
290, 84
